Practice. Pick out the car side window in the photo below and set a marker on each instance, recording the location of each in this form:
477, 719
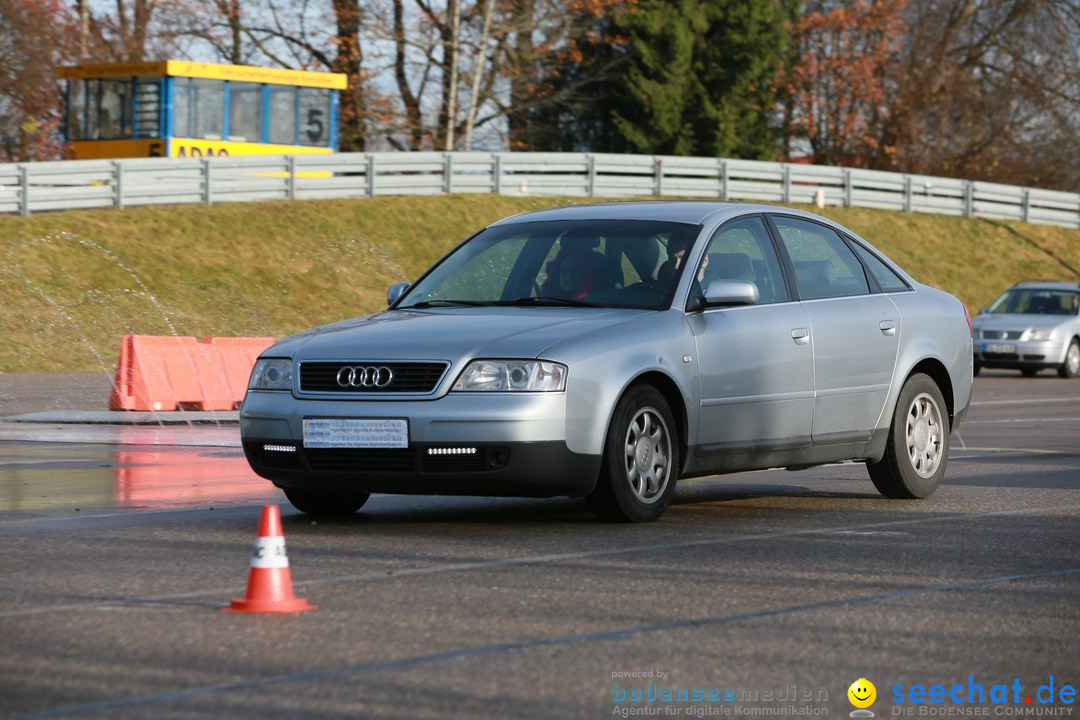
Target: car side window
743, 250
886, 278
824, 265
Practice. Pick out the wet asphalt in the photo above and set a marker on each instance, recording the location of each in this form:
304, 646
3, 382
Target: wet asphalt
764, 594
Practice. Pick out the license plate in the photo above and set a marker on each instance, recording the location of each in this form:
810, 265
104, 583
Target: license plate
998, 348
355, 433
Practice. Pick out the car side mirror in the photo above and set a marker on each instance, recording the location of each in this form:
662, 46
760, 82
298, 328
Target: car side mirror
731, 292
982, 311
395, 292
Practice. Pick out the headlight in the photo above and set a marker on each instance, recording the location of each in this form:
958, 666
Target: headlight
1039, 335
271, 374
512, 375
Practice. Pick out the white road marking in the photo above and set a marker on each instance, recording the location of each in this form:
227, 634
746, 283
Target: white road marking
1032, 401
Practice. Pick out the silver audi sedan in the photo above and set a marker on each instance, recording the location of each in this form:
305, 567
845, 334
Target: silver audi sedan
607, 351
1031, 327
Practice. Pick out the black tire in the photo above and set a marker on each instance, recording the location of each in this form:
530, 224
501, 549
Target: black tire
917, 452
641, 459
325, 503
1029, 372
1071, 367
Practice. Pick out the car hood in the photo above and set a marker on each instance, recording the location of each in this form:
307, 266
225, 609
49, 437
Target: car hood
1018, 321
448, 333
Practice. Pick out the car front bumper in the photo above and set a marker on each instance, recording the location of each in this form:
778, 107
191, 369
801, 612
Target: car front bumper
497, 445
1012, 354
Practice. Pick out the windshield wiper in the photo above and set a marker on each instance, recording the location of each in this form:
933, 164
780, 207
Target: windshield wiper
545, 300
519, 302
447, 303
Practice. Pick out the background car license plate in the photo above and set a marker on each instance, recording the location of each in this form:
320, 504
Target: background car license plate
998, 348
355, 433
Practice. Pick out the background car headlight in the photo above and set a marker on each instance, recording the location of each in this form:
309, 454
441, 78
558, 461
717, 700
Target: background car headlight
1039, 335
512, 375
271, 374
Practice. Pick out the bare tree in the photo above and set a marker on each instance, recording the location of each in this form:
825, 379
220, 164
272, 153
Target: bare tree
349, 59
461, 65
989, 89
33, 36
219, 24
478, 72
125, 34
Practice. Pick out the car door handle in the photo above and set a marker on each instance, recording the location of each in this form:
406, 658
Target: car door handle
888, 327
801, 336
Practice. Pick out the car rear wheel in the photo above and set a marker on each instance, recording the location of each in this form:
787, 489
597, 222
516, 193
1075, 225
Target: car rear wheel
917, 451
641, 459
1071, 367
325, 503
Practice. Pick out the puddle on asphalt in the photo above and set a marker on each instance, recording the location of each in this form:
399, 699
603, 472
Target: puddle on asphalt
136, 468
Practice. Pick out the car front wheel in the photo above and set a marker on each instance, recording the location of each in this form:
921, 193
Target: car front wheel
917, 451
1071, 367
641, 459
325, 503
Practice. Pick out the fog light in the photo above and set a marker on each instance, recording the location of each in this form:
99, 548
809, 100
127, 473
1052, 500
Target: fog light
452, 451
280, 448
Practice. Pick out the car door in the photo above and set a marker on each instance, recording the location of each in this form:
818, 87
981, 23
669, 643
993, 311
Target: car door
855, 332
755, 362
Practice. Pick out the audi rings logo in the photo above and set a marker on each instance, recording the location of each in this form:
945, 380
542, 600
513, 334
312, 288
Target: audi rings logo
367, 376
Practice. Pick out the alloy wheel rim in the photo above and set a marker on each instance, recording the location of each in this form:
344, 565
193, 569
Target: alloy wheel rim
647, 454
924, 434
1072, 360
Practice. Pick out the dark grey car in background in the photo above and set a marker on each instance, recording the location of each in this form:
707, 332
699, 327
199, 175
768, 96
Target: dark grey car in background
606, 351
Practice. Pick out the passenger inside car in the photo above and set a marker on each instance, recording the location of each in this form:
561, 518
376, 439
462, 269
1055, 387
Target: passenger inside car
576, 271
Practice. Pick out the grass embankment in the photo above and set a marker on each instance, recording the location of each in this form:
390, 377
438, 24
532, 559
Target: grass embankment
72, 283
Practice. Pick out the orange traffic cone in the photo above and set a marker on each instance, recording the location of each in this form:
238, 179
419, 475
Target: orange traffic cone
269, 587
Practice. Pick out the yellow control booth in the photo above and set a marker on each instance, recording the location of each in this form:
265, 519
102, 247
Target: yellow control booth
175, 108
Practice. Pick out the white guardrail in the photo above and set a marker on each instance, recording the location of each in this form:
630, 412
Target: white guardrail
34, 187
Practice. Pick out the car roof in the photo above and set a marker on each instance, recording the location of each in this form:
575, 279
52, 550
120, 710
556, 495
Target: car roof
693, 212
1045, 285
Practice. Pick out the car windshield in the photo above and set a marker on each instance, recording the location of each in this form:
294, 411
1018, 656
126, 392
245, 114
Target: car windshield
581, 263
1036, 301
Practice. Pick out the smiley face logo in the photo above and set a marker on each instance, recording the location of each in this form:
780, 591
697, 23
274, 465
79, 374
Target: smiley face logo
862, 693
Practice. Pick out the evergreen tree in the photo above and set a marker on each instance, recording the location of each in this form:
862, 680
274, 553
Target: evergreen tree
695, 78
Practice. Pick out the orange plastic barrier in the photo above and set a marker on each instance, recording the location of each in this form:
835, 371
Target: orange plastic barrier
238, 356
165, 372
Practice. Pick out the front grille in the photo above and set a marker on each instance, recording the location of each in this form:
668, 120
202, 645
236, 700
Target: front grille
408, 377
1000, 356
1002, 334
362, 461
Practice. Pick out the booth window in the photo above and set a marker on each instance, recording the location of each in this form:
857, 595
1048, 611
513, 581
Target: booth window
99, 109
245, 112
147, 106
78, 109
207, 109
181, 107
114, 118
314, 117
282, 115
